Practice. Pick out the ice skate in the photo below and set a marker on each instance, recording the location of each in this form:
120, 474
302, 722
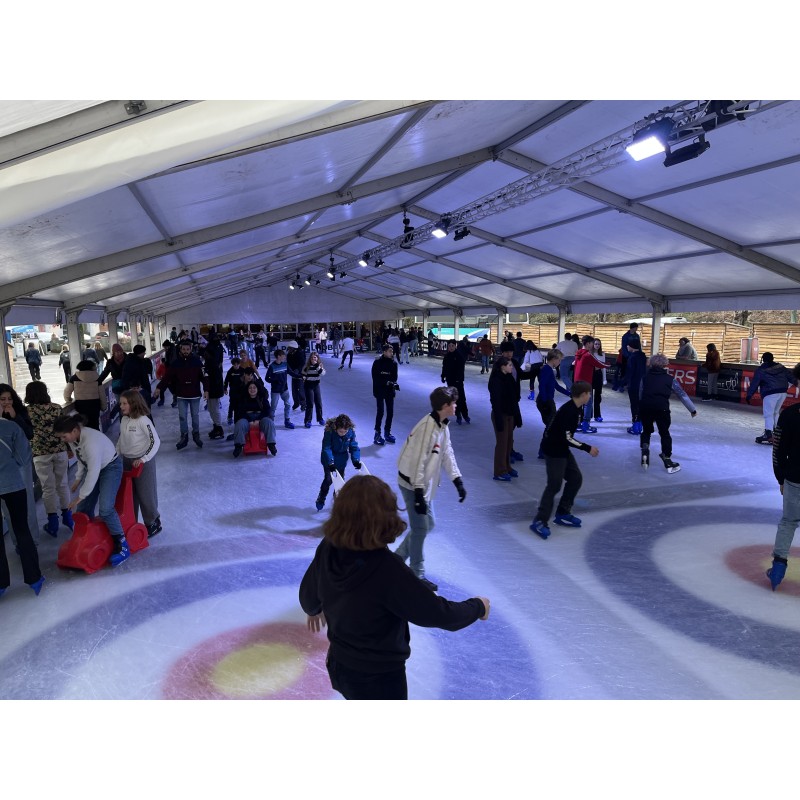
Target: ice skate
568, 520
585, 427
122, 553
645, 457
671, 466
182, 442
378, 438
52, 525
389, 438
197, 440
66, 518
539, 528
765, 438
635, 429
776, 572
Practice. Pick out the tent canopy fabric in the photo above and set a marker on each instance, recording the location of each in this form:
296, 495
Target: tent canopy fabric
209, 210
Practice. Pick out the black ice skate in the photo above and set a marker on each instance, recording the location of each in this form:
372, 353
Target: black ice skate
671, 466
645, 457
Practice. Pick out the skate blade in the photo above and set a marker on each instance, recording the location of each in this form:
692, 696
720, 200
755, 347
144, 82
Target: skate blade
671, 470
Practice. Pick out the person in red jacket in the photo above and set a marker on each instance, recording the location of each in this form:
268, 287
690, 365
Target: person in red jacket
586, 362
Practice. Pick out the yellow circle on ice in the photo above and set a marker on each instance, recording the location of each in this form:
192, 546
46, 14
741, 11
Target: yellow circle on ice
259, 670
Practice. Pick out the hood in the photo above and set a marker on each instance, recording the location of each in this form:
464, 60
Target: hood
348, 569
581, 354
773, 369
87, 375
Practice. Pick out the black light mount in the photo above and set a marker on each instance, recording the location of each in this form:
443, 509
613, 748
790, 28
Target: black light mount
408, 234
687, 153
461, 233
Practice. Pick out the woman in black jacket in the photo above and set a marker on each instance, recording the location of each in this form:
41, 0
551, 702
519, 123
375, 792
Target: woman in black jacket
367, 596
504, 398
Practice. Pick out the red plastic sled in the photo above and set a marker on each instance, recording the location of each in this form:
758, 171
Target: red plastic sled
255, 442
90, 545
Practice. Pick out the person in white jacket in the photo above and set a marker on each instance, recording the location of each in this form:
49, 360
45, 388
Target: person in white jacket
426, 451
97, 479
138, 444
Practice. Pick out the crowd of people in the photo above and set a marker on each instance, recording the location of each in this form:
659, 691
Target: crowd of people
365, 596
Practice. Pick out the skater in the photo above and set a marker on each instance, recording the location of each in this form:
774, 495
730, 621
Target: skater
278, 379
657, 386
786, 466
621, 381
561, 465
426, 451
252, 410
771, 380
531, 364
90, 396
49, 456
295, 361
548, 386
311, 374
233, 385
586, 364
97, 478
34, 359
507, 351
486, 349
367, 597
64, 363
114, 367
384, 387
138, 444
713, 365
348, 346
453, 375
185, 378
569, 348
338, 444
216, 389
15, 452
637, 366
598, 379
506, 416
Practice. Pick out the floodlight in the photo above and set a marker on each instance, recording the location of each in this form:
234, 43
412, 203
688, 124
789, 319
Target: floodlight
687, 153
442, 228
461, 233
650, 140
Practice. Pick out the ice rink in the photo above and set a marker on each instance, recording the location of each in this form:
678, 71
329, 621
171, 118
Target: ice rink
661, 594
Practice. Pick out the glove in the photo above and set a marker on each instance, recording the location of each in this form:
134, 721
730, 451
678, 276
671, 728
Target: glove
420, 505
462, 492
356, 465
331, 467
396, 387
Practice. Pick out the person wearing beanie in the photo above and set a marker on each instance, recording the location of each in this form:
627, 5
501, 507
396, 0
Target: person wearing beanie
771, 380
637, 364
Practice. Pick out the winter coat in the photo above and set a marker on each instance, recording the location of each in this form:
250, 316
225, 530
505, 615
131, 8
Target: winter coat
336, 449
657, 387
184, 377
33, 356
504, 399
687, 352
384, 377
85, 385
713, 362
426, 451
453, 368
585, 365
771, 379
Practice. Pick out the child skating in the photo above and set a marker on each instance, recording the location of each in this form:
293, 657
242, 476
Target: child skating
338, 444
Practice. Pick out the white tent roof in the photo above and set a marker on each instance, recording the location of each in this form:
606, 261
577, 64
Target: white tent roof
207, 210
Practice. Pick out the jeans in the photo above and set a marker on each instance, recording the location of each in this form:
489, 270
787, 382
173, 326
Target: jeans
558, 470
389, 402
484, 364
242, 428
633, 397
404, 353
298, 394
345, 355
326, 484
790, 519
106, 491
564, 370
17, 505
286, 397
419, 526
185, 404
771, 406
355, 685
713, 377
313, 393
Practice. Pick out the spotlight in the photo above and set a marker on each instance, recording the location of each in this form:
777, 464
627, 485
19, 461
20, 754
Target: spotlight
379, 263
292, 286
342, 274
441, 230
316, 283
331, 272
364, 260
720, 109
461, 233
307, 282
408, 234
650, 140
687, 153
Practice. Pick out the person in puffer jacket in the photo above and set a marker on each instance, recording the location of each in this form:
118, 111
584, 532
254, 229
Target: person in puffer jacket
426, 451
90, 396
338, 444
771, 380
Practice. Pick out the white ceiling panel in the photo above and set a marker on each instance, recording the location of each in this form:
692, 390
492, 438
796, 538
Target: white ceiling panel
502, 262
608, 239
788, 254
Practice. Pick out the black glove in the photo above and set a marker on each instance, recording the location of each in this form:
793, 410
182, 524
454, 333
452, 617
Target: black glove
420, 505
462, 492
356, 465
396, 387
331, 467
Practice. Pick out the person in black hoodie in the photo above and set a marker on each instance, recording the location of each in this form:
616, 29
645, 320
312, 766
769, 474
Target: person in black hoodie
786, 466
253, 408
384, 386
137, 372
635, 371
771, 380
295, 361
561, 465
504, 399
657, 386
507, 350
453, 375
367, 596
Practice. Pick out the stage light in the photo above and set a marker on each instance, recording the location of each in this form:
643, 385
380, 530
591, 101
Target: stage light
461, 233
687, 153
442, 229
408, 234
379, 263
650, 140
364, 260
308, 282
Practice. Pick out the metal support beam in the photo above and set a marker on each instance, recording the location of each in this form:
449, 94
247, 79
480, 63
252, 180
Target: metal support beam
562, 323
74, 338
655, 344
6, 368
113, 338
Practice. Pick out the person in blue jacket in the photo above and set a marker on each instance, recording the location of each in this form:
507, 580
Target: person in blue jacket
338, 444
771, 380
548, 386
278, 378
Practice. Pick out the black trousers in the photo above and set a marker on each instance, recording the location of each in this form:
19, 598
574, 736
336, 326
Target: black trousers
313, 395
633, 396
35, 371
344, 356
326, 484
356, 685
461, 405
17, 505
298, 394
560, 470
380, 402
261, 356
662, 419
597, 391
547, 409
91, 410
